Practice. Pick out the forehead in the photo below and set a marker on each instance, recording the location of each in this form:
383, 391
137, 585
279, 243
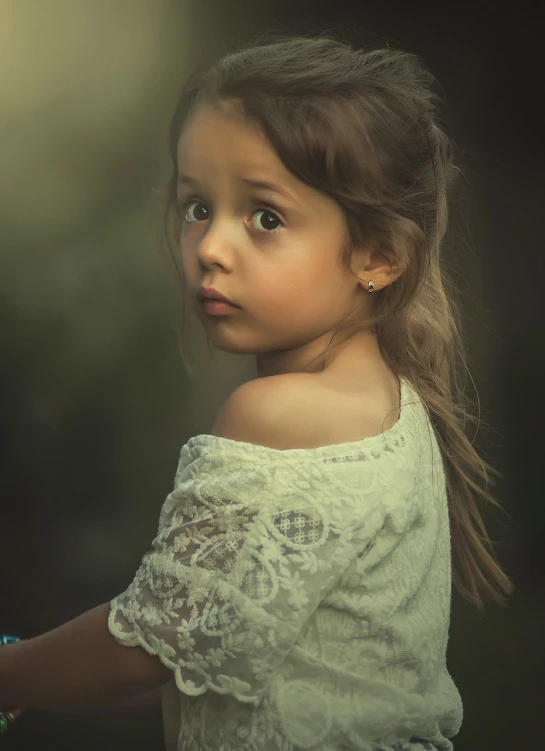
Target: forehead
217, 137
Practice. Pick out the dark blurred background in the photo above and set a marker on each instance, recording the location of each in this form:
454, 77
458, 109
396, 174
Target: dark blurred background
96, 402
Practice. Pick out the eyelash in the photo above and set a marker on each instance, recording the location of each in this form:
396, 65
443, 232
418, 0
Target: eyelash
262, 207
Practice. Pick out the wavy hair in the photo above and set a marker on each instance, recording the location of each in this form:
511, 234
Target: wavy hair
363, 127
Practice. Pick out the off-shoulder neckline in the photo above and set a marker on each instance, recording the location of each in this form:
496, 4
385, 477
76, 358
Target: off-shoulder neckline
407, 397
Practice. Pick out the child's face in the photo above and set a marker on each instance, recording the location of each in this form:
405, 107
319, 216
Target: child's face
289, 284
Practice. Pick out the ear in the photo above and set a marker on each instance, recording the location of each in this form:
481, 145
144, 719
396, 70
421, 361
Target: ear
377, 263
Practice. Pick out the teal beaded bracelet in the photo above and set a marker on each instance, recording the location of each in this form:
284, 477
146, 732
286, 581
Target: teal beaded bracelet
7, 718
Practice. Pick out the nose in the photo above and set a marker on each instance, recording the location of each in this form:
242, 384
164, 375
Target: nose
216, 246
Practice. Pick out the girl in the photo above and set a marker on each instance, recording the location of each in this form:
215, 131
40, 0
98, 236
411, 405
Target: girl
297, 594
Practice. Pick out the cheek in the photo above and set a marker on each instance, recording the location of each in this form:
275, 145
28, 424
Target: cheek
292, 303
284, 291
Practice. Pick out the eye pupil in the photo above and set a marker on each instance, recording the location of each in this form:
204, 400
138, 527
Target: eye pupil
196, 209
271, 217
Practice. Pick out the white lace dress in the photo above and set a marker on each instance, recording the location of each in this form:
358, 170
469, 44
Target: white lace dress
301, 597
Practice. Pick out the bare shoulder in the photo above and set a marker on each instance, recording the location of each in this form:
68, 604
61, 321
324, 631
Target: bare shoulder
265, 411
300, 411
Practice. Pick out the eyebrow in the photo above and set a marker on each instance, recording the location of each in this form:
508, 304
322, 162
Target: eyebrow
271, 187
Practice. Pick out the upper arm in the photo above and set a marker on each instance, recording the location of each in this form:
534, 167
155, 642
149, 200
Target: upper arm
262, 412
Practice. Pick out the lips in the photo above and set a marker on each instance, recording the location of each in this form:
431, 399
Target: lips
214, 301
210, 294
218, 299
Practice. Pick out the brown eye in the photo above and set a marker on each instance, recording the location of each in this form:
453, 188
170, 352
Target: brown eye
269, 222
186, 209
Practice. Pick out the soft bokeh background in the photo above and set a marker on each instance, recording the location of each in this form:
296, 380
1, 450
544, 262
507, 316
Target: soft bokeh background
96, 401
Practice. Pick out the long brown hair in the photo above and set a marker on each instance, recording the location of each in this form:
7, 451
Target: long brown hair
363, 127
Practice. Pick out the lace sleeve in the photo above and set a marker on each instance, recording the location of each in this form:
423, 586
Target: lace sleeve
243, 556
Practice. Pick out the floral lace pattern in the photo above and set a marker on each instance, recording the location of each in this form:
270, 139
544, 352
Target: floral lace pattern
302, 597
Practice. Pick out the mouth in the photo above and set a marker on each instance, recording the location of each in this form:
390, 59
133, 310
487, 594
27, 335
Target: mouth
212, 294
218, 299
215, 307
